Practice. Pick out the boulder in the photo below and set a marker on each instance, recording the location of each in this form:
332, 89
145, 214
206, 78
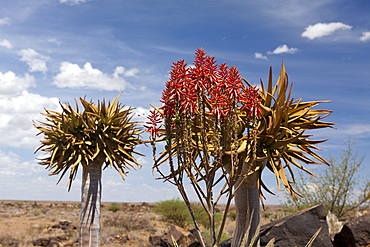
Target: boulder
296, 229
155, 240
9, 241
63, 225
355, 233
226, 243
51, 241
117, 238
183, 238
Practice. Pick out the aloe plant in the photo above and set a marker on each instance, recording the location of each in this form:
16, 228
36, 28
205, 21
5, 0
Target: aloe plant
94, 139
202, 126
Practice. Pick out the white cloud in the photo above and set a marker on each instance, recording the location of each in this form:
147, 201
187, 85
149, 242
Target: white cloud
11, 84
35, 60
55, 41
111, 183
73, 2
12, 166
16, 115
365, 36
324, 29
312, 187
283, 49
6, 43
72, 76
360, 130
121, 71
30, 181
259, 56
4, 21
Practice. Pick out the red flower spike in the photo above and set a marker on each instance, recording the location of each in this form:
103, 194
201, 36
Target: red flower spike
198, 73
251, 99
154, 119
196, 78
217, 101
234, 84
189, 98
211, 71
200, 58
179, 75
167, 100
223, 72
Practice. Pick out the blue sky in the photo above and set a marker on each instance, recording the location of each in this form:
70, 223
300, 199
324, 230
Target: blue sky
58, 50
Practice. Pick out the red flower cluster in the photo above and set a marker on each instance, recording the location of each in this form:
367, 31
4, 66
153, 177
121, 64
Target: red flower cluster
221, 86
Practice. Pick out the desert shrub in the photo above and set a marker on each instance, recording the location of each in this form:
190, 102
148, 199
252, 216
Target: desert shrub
174, 211
232, 215
338, 187
114, 207
201, 216
206, 235
36, 211
265, 214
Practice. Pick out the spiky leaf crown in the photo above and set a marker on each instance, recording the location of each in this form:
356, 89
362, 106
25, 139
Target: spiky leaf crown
102, 132
281, 130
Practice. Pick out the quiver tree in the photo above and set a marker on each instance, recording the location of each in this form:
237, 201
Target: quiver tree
94, 139
220, 129
281, 143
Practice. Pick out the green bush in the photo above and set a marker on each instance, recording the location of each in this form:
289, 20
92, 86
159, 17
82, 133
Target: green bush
339, 186
201, 216
114, 207
174, 211
232, 215
206, 235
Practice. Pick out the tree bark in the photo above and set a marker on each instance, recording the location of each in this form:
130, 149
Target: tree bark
246, 202
90, 205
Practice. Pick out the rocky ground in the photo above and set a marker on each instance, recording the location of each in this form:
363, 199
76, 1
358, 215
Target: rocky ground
25, 223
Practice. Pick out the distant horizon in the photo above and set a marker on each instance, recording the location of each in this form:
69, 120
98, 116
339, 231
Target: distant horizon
6, 200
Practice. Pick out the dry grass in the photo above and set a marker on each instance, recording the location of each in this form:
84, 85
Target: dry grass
22, 222
28, 221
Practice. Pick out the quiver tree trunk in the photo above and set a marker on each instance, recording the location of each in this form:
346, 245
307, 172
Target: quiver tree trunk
247, 208
90, 205
247, 204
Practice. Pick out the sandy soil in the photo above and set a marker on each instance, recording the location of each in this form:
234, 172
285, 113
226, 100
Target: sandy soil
23, 222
